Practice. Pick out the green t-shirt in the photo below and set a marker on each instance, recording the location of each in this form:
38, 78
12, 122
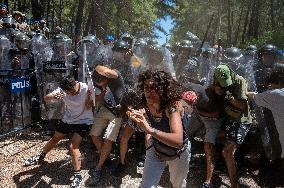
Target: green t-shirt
238, 91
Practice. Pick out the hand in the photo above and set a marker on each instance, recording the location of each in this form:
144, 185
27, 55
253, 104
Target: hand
17, 60
138, 116
130, 52
58, 95
219, 90
229, 97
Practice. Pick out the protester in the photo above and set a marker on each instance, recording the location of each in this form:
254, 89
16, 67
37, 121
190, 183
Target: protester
130, 99
77, 120
208, 112
163, 120
107, 118
233, 88
273, 99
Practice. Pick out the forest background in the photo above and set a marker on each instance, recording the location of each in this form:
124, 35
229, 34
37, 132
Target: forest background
236, 22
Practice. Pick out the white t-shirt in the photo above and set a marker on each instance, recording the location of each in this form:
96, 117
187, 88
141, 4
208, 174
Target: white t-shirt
274, 101
75, 110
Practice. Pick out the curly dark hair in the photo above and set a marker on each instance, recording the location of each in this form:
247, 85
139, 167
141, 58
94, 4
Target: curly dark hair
164, 84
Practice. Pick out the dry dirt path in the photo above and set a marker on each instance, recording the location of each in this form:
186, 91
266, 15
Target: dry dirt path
58, 169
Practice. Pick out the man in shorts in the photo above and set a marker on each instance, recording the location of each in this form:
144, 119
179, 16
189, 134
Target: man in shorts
77, 119
107, 120
233, 89
208, 108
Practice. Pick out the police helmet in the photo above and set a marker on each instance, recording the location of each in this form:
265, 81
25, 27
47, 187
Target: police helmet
232, 53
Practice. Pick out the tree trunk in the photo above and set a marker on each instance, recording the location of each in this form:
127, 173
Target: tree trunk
90, 17
47, 13
229, 32
78, 22
60, 12
20, 6
238, 26
118, 4
254, 21
246, 22
220, 20
6, 2
37, 10
272, 14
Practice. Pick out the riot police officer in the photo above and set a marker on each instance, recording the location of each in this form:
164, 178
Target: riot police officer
86, 50
20, 18
8, 27
232, 57
183, 52
207, 65
3, 12
121, 61
267, 55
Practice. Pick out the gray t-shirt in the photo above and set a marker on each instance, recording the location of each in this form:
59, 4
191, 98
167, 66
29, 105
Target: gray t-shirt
75, 110
274, 101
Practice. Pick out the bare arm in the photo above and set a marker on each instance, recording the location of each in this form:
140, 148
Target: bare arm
251, 95
54, 95
241, 104
111, 73
174, 138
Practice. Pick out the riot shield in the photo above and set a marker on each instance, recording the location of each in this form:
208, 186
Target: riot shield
15, 95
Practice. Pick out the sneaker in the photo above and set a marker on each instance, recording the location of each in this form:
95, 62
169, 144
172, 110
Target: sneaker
141, 161
76, 181
119, 169
95, 176
37, 159
141, 164
206, 185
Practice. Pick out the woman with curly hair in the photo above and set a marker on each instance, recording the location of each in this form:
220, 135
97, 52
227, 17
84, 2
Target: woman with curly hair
163, 121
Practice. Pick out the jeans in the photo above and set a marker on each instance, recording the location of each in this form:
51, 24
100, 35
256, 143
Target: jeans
154, 167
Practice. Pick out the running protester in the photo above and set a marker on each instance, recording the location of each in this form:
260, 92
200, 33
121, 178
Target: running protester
163, 121
77, 119
233, 89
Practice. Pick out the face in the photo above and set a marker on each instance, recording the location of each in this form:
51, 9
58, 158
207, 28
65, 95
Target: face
268, 60
18, 18
74, 91
3, 11
100, 80
219, 90
151, 92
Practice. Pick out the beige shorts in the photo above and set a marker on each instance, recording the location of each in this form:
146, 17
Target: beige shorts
106, 122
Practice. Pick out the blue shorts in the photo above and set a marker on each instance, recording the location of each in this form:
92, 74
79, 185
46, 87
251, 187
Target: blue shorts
236, 131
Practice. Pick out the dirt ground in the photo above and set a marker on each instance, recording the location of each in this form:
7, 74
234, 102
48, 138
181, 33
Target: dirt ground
57, 170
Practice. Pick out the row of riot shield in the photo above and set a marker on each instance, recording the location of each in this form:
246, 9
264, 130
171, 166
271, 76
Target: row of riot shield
28, 74
51, 65
15, 87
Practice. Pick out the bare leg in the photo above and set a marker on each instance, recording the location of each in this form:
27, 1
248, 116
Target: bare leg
52, 142
209, 153
128, 132
228, 153
98, 141
104, 153
75, 152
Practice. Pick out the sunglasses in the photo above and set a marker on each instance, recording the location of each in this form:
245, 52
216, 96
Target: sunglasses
151, 87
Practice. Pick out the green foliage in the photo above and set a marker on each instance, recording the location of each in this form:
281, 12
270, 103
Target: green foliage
237, 23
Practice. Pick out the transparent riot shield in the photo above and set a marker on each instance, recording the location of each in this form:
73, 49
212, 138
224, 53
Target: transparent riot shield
53, 70
90, 44
15, 96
